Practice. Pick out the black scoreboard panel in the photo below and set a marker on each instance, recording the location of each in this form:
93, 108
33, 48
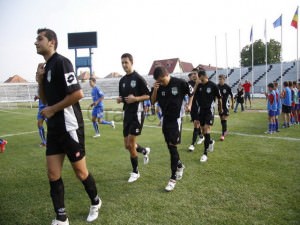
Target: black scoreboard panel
82, 40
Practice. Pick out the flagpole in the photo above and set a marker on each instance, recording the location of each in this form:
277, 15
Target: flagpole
266, 54
252, 63
226, 58
297, 56
216, 58
281, 56
240, 54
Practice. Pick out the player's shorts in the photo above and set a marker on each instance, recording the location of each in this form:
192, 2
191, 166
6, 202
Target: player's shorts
247, 95
277, 112
133, 123
297, 106
194, 113
147, 103
225, 112
39, 116
98, 112
70, 143
293, 106
206, 117
286, 109
172, 131
271, 113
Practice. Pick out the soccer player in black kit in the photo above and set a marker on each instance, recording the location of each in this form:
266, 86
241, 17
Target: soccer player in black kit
59, 89
133, 91
169, 92
225, 92
206, 93
194, 113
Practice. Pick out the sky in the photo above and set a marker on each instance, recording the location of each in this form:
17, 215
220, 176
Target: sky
148, 29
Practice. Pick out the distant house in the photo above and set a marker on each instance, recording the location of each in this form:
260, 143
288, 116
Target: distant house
85, 75
15, 79
172, 65
113, 75
208, 67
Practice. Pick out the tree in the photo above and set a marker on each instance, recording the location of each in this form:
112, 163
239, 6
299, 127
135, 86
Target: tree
259, 49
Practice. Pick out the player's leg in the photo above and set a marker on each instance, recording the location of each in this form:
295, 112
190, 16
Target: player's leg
249, 97
41, 131
54, 167
94, 121
104, 122
89, 184
130, 143
223, 118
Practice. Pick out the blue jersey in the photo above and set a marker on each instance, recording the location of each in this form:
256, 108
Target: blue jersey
287, 100
298, 97
272, 103
96, 94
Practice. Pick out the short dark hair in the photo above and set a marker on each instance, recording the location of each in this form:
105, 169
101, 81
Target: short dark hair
201, 72
195, 70
93, 79
222, 76
160, 71
290, 83
49, 34
127, 55
285, 84
271, 85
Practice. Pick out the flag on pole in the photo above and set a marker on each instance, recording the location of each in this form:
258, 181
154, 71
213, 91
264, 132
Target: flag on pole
294, 22
251, 34
278, 22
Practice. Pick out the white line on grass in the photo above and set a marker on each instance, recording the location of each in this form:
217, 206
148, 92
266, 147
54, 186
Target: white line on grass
186, 129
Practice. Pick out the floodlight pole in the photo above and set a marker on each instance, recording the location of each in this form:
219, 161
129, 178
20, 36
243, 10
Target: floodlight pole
91, 71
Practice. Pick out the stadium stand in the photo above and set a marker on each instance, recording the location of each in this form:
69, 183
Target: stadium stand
12, 93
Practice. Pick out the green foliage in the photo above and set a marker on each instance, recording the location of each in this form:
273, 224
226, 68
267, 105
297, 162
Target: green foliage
259, 53
250, 178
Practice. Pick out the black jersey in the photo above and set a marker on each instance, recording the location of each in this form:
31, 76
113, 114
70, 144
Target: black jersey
136, 85
192, 83
59, 81
170, 97
206, 94
225, 92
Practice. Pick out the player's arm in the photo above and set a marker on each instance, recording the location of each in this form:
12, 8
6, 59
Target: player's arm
154, 92
39, 78
70, 99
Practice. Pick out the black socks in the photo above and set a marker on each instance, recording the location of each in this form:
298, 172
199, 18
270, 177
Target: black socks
91, 189
57, 194
134, 163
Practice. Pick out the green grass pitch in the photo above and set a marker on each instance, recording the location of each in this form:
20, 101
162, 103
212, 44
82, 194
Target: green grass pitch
250, 178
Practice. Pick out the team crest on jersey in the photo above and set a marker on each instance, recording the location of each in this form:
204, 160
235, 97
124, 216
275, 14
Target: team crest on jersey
163, 93
208, 90
70, 78
49, 76
174, 90
224, 91
133, 83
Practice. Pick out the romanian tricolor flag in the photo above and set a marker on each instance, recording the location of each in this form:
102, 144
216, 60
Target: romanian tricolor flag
294, 22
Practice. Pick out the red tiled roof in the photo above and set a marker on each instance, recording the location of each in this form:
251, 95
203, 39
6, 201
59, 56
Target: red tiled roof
169, 64
186, 67
207, 67
15, 79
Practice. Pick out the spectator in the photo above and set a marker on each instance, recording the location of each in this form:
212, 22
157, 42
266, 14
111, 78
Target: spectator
239, 98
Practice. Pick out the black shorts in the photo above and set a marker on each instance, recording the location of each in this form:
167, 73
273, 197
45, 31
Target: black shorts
194, 113
70, 143
206, 117
225, 112
172, 131
286, 109
133, 123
